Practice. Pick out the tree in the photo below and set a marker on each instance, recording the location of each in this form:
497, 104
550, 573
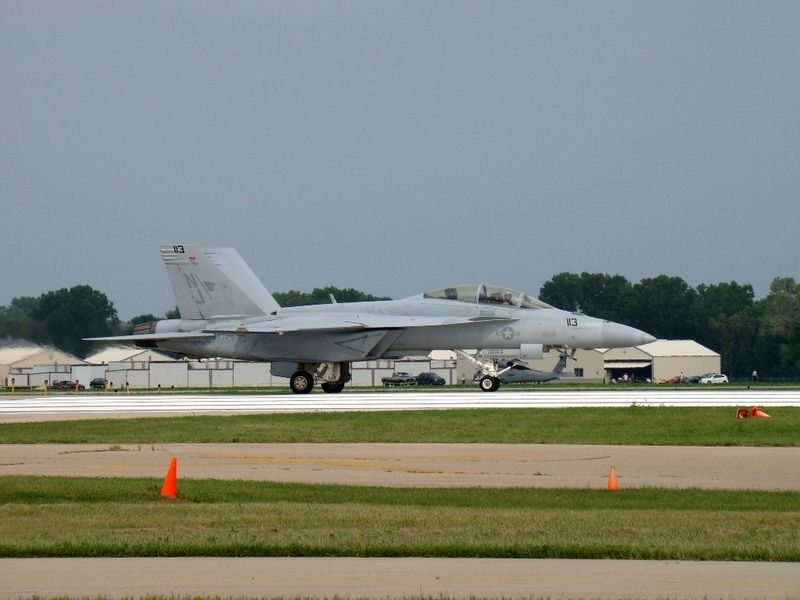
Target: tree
738, 339
564, 291
24, 306
74, 313
782, 306
781, 322
664, 307
322, 296
791, 351
17, 321
749, 334
597, 294
714, 303
607, 296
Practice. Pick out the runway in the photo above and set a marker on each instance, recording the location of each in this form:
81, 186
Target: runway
87, 405
395, 578
401, 465
422, 465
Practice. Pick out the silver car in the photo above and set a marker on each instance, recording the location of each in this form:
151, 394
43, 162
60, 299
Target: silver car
714, 378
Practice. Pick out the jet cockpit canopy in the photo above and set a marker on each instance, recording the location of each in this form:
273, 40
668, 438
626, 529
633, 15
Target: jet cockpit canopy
487, 294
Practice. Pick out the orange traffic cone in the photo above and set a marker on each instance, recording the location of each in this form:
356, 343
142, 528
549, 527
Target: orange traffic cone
757, 412
612, 479
743, 413
170, 487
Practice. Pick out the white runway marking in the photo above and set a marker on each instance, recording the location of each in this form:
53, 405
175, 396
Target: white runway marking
12, 408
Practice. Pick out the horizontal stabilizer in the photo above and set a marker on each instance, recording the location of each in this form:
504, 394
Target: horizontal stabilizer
151, 337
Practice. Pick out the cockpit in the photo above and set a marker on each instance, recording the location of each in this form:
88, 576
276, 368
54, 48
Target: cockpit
487, 294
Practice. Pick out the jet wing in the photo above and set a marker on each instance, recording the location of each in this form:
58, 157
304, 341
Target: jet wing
318, 323
310, 323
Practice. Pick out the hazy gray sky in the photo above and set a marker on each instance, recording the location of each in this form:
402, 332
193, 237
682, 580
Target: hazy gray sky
397, 147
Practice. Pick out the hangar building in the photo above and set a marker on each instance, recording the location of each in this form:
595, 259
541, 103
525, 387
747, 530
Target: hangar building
661, 360
657, 361
140, 368
34, 362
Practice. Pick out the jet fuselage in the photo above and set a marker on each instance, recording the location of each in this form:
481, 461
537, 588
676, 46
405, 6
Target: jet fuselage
493, 327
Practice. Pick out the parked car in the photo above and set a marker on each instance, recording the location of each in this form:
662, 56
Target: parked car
66, 385
97, 383
714, 378
430, 379
399, 378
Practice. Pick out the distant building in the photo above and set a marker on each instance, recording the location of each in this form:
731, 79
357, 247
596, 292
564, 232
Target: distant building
662, 360
658, 361
112, 354
22, 362
112, 363
143, 368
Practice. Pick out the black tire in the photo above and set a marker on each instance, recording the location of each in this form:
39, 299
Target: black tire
489, 383
332, 387
301, 382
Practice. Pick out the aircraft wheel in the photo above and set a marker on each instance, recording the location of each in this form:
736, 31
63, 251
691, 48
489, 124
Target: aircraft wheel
301, 382
489, 383
332, 387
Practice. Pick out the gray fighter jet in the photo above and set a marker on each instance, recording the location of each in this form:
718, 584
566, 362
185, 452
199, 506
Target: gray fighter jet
227, 312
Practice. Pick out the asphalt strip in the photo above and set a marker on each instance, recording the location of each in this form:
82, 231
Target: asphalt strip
423, 465
394, 578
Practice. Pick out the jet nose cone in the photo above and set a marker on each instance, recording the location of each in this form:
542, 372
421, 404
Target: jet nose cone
616, 335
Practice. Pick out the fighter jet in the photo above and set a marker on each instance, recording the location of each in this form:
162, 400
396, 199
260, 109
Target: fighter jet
227, 312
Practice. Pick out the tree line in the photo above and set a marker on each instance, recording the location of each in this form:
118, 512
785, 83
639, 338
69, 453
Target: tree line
748, 333
61, 318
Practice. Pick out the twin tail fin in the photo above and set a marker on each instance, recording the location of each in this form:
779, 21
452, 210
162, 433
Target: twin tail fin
214, 283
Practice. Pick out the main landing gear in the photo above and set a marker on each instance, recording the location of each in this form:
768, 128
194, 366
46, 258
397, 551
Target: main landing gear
332, 377
301, 382
489, 383
331, 387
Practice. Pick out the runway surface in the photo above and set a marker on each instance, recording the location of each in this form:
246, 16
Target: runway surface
396, 577
422, 465
86, 405
401, 465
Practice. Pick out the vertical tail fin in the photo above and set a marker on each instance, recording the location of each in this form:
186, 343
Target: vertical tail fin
214, 282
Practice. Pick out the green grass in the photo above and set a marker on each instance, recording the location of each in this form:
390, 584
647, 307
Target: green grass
629, 426
55, 516
22, 489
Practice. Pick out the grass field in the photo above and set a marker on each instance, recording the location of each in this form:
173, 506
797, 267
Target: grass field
51, 516
632, 425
